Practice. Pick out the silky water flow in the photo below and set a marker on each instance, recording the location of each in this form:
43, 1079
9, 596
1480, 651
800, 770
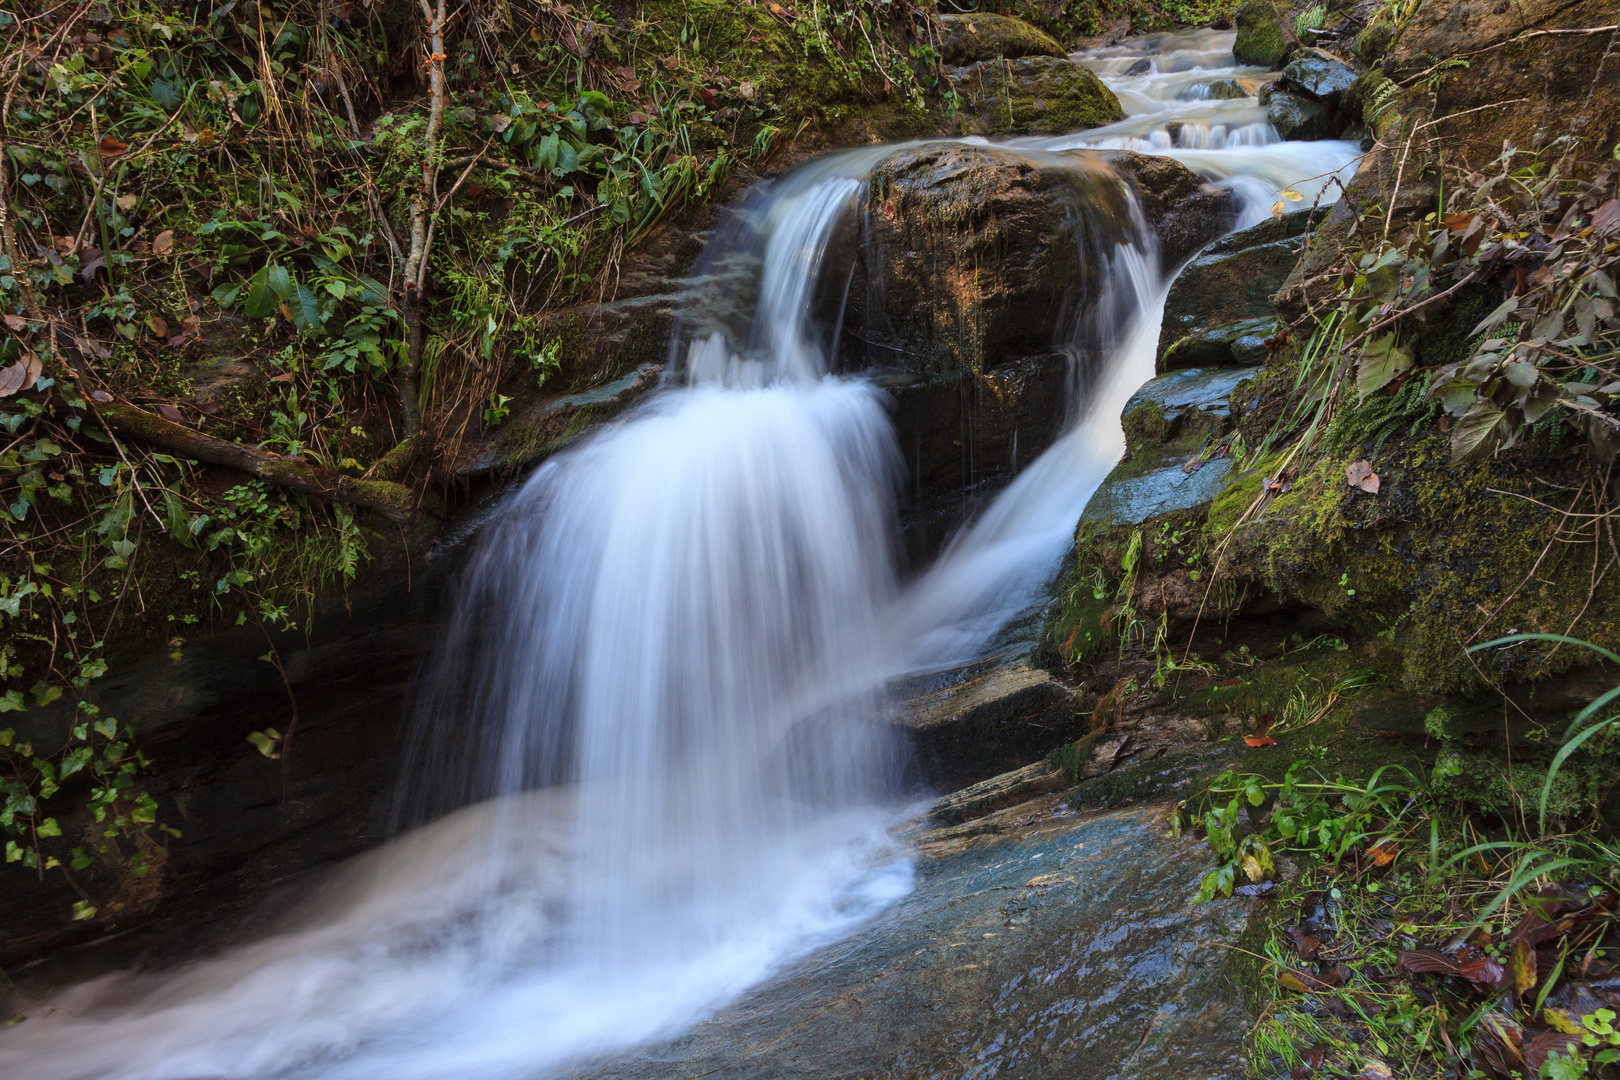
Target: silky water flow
653, 762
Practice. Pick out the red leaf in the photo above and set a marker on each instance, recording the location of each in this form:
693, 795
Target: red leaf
1485, 971
1260, 740
1427, 961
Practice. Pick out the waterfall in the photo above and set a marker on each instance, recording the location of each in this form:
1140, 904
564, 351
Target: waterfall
652, 762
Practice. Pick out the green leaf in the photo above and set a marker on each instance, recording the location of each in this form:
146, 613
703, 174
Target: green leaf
306, 310
83, 909
49, 827
279, 281
260, 302
13, 702
1476, 433
1381, 361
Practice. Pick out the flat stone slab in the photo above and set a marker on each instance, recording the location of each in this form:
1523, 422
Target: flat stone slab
1038, 944
1134, 500
1207, 390
967, 723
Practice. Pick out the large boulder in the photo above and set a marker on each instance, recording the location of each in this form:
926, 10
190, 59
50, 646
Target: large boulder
1263, 36
1033, 95
1221, 303
1519, 79
967, 39
1297, 117
1318, 74
977, 295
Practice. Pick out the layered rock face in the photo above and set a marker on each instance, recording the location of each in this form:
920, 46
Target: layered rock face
987, 280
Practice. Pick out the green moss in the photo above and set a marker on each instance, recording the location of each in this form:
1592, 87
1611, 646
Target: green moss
1262, 37
1147, 423
992, 36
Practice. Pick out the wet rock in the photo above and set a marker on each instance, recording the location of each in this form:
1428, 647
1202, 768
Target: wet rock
967, 39
1240, 344
1263, 36
1318, 74
1171, 424
1033, 95
1297, 117
979, 280
1143, 66
1215, 90
1038, 943
1183, 209
985, 719
1224, 288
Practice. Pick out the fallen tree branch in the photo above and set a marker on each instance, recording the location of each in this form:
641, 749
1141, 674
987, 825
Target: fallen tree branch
393, 501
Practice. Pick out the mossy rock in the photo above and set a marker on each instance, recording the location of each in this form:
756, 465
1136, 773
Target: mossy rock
967, 39
1263, 37
1034, 95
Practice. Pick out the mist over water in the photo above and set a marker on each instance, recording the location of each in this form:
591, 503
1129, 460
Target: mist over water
652, 762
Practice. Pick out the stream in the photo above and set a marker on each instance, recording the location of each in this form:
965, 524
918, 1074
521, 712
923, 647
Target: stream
652, 765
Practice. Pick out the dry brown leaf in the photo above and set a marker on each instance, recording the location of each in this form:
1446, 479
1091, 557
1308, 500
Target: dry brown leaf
1360, 476
159, 325
127, 201
11, 378
1606, 215
171, 414
163, 243
16, 323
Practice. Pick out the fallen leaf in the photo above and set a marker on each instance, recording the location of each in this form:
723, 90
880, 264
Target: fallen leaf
1383, 853
159, 326
16, 323
1289, 980
11, 378
100, 395
285, 376
1360, 476
1310, 1061
1376, 1070
127, 201
163, 243
1427, 961
208, 408
171, 414
1305, 945
1521, 968
1606, 215
1485, 971
1260, 740
111, 148
1546, 1044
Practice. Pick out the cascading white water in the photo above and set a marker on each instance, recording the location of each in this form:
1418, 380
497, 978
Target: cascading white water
661, 722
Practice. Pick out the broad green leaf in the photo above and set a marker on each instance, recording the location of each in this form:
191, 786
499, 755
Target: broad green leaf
261, 301
306, 310
1381, 361
280, 281
1476, 432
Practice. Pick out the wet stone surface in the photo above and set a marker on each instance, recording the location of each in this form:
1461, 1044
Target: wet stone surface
1038, 943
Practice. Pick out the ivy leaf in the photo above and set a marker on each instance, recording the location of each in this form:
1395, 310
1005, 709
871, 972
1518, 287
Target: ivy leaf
1475, 435
1381, 361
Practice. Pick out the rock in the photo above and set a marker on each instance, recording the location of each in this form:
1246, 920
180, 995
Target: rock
1033, 95
1229, 287
975, 271
1182, 207
1214, 90
1167, 423
967, 39
983, 719
1299, 118
1319, 74
1143, 66
1263, 37
1038, 943
1284, 226
1231, 344
1550, 79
